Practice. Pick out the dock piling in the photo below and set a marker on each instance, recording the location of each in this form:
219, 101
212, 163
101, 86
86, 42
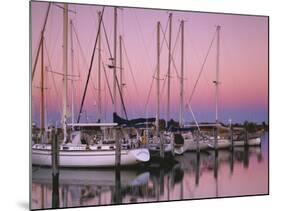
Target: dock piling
117, 149
55, 153
162, 155
216, 138
55, 169
197, 170
246, 137
117, 192
197, 142
231, 138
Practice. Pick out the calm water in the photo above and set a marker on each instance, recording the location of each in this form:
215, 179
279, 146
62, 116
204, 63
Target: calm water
243, 172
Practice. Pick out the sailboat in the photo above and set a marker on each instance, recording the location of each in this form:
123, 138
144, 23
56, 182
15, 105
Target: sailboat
159, 143
222, 143
77, 154
184, 139
253, 140
74, 151
217, 142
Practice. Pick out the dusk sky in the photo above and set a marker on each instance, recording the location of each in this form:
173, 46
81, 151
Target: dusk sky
243, 92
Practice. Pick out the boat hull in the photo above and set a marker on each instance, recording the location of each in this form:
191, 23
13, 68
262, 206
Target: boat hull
90, 158
254, 141
251, 142
190, 145
221, 144
154, 150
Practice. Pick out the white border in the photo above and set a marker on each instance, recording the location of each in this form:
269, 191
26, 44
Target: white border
14, 106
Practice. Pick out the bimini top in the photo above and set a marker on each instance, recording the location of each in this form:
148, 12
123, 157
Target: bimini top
93, 124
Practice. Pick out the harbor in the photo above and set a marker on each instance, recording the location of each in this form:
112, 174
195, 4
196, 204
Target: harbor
107, 131
190, 178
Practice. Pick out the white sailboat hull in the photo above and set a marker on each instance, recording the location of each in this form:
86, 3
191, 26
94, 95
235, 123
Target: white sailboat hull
254, 141
155, 148
90, 158
190, 145
251, 142
221, 144
179, 150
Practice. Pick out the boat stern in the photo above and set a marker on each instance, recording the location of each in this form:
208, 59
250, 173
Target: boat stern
141, 155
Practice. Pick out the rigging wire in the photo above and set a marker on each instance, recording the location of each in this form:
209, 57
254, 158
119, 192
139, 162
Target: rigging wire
118, 85
53, 79
110, 55
153, 76
107, 82
201, 69
41, 40
166, 76
130, 68
121, 97
53, 48
172, 58
132, 75
106, 38
193, 90
146, 53
141, 35
90, 69
84, 59
80, 47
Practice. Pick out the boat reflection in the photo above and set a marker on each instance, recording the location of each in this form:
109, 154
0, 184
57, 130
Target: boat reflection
180, 180
82, 187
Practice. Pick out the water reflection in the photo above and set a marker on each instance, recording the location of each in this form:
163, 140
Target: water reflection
241, 171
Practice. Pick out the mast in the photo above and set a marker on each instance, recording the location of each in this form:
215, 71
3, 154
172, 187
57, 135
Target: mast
99, 71
114, 59
121, 73
90, 69
169, 67
158, 78
217, 72
65, 50
72, 73
42, 89
45, 97
41, 40
182, 75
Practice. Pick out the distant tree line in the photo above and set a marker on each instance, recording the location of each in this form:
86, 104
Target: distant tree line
249, 126
252, 126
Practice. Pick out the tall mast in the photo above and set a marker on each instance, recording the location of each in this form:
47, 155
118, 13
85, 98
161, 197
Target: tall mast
42, 88
99, 71
114, 59
41, 41
182, 75
65, 50
158, 78
169, 67
121, 72
72, 73
217, 72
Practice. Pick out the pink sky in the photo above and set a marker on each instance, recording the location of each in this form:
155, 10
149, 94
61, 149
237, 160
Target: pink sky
243, 61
